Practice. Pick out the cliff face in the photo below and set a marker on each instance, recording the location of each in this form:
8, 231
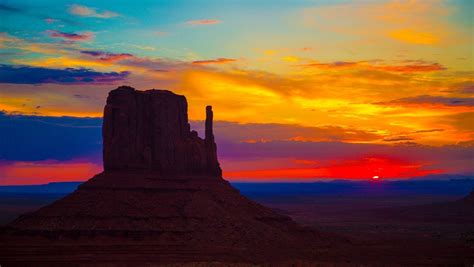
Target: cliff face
149, 130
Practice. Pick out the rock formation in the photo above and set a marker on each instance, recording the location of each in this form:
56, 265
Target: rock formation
161, 198
150, 131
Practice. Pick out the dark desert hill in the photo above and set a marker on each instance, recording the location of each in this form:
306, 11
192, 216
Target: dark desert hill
458, 211
469, 199
161, 198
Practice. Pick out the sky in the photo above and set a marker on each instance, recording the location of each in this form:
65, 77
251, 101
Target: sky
301, 90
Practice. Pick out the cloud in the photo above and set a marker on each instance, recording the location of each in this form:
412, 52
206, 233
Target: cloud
57, 55
467, 88
85, 11
8, 8
34, 138
307, 96
50, 20
423, 67
410, 138
214, 61
398, 138
280, 155
51, 142
8, 40
332, 65
106, 56
432, 100
429, 131
147, 64
37, 75
143, 47
203, 22
82, 96
265, 132
464, 122
414, 36
71, 36
410, 66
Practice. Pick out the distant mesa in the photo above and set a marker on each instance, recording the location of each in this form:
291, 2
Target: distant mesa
161, 198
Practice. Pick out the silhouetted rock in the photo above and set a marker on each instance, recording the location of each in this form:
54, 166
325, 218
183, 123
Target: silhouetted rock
149, 130
160, 198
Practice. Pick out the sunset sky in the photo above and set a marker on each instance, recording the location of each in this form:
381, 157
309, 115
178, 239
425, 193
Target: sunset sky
300, 90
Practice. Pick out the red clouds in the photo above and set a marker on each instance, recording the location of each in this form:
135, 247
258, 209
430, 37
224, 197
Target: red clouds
32, 161
41, 172
362, 168
71, 36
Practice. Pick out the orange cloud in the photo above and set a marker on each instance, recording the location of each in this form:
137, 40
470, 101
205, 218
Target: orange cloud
424, 67
214, 61
333, 65
203, 22
85, 11
408, 67
340, 93
268, 132
436, 101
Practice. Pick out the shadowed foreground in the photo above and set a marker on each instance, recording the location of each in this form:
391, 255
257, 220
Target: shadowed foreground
348, 209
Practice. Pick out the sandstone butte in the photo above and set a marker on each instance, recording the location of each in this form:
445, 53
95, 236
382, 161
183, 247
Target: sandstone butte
160, 199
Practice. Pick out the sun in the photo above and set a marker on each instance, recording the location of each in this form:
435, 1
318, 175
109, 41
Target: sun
375, 177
